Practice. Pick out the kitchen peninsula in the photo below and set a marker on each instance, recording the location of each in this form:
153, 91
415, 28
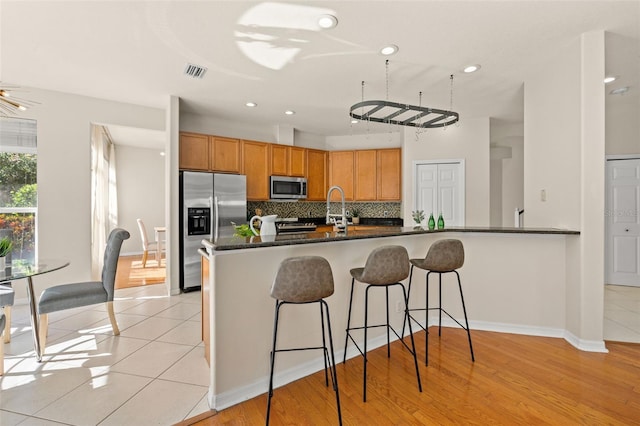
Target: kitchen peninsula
514, 280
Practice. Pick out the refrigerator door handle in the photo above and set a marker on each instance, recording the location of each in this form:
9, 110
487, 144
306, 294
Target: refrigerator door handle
217, 218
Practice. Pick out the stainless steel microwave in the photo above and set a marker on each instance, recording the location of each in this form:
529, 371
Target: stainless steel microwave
288, 188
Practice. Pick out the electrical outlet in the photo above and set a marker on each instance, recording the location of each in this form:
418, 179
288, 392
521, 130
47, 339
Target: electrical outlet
386, 213
398, 306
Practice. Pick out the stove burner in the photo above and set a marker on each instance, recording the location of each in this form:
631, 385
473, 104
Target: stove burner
288, 227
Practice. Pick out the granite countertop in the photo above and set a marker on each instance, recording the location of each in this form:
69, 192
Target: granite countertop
237, 243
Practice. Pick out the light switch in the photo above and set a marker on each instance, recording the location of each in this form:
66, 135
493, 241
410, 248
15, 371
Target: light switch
543, 195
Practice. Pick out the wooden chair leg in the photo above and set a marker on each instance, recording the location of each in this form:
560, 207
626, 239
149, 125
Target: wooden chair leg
7, 325
44, 329
1, 358
112, 318
145, 254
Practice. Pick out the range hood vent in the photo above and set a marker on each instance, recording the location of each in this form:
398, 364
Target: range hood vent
195, 71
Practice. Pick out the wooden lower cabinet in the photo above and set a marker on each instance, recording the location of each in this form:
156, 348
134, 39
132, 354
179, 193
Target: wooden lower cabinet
316, 173
255, 159
205, 315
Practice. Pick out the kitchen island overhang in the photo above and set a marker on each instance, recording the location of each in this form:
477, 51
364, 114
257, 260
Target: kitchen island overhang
515, 280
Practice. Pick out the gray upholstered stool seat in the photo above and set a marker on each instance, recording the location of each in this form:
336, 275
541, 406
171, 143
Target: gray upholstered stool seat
7, 295
444, 256
303, 280
385, 267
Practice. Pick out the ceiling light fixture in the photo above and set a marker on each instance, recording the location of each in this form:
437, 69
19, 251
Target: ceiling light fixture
389, 50
10, 105
251, 104
354, 121
404, 114
289, 112
609, 79
620, 90
327, 22
471, 68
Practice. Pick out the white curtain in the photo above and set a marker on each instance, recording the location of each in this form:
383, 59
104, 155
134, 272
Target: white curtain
104, 199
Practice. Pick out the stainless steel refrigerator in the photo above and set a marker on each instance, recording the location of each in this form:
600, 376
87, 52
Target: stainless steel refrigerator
209, 203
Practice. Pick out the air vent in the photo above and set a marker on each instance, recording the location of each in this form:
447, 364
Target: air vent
195, 71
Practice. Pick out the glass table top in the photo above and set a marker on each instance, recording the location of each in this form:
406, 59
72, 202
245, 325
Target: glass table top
20, 269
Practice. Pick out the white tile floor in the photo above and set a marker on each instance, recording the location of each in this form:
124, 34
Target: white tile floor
622, 313
154, 373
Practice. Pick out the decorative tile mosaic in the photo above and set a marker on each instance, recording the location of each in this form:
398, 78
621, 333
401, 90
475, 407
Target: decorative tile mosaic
314, 209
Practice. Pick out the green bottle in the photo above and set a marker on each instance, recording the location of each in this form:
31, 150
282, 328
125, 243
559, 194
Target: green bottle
432, 222
440, 222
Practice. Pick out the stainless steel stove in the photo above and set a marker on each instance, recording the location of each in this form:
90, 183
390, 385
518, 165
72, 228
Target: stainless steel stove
295, 227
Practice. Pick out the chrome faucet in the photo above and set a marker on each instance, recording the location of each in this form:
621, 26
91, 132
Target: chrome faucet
331, 218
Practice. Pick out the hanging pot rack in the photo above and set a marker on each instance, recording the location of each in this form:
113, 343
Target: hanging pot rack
403, 114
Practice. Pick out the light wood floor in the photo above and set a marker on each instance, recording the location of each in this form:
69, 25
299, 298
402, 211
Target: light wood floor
130, 272
516, 380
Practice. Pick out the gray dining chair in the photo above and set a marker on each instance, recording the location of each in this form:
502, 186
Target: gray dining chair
68, 296
2, 320
7, 295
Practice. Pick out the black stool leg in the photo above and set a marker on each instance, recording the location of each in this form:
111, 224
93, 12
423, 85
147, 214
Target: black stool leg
413, 344
325, 355
407, 315
388, 335
346, 337
439, 304
334, 373
426, 304
272, 361
366, 316
464, 309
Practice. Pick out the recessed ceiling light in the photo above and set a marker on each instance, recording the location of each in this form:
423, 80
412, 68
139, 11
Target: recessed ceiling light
471, 68
162, 153
251, 104
609, 79
619, 91
289, 112
389, 50
354, 121
327, 21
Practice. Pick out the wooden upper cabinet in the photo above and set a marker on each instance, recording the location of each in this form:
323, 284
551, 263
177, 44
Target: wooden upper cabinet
316, 168
341, 173
226, 155
366, 182
389, 174
297, 161
288, 160
255, 166
280, 160
194, 152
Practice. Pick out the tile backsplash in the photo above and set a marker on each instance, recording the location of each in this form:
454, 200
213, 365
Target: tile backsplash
302, 209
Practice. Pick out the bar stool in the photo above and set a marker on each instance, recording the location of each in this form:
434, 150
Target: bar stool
444, 256
302, 280
385, 267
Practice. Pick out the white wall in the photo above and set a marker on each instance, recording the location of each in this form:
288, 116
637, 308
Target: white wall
622, 124
470, 141
366, 141
141, 189
64, 198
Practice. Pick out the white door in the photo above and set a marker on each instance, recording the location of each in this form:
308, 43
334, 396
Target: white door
623, 222
440, 189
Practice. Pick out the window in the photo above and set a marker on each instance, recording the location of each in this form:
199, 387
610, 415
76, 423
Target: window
18, 186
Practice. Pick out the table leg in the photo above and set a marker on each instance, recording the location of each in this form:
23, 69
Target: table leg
35, 323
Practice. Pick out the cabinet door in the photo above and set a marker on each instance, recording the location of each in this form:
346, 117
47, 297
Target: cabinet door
205, 315
297, 163
365, 175
280, 160
389, 174
256, 166
341, 173
226, 155
316, 175
194, 152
